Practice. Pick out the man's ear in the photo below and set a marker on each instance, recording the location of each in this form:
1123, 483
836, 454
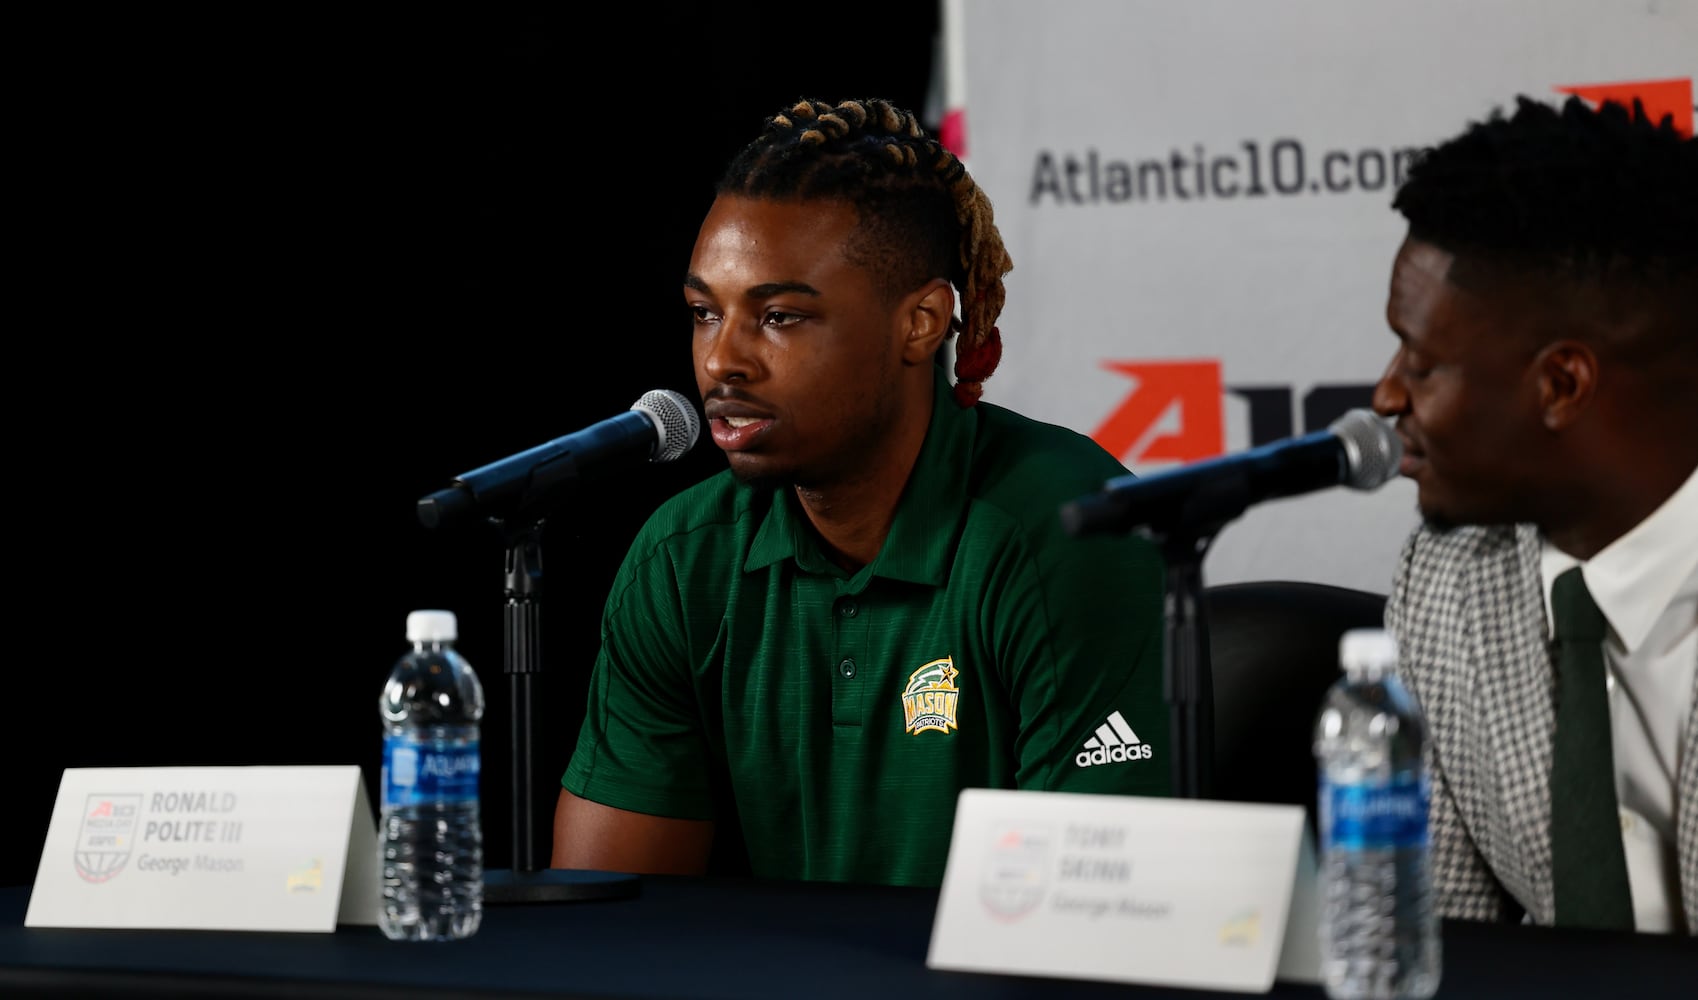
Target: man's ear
927, 311
1567, 371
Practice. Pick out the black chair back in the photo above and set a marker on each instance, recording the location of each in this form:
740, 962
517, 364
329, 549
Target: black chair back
1273, 652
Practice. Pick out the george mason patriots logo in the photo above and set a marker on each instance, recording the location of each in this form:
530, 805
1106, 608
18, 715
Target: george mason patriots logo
930, 699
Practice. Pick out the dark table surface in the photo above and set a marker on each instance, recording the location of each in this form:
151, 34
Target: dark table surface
721, 938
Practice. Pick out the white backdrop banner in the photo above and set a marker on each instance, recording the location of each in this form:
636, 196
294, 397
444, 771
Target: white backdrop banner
1197, 197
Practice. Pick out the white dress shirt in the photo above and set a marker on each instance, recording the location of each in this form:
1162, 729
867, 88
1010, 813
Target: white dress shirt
1646, 584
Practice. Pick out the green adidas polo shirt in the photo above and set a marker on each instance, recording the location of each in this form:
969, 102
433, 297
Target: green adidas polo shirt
835, 717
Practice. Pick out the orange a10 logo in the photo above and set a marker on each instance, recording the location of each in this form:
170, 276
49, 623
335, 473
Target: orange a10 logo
1192, 392
1670, 98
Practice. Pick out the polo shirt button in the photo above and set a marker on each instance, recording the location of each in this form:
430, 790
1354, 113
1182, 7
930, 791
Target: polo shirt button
848, 609
846, 668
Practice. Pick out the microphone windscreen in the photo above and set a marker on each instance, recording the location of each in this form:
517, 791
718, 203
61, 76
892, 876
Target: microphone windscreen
1371, 447
675, 421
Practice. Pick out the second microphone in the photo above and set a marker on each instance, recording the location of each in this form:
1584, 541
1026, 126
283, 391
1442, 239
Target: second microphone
1358, 450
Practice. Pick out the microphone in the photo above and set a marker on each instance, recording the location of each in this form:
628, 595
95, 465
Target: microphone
659, 427
1359, 450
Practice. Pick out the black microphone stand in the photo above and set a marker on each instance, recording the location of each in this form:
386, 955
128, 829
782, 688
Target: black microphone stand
1187, 683
1184, 537
521, 661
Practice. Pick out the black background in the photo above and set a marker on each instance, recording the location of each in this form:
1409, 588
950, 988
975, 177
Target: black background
288, 272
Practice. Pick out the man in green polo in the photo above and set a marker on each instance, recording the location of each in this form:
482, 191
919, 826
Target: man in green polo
875, 606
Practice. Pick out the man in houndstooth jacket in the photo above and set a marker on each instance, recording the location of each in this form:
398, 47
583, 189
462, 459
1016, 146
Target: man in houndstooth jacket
1545, 386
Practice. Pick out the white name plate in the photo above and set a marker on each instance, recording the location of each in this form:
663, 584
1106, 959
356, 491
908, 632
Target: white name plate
208, 848
1172, 892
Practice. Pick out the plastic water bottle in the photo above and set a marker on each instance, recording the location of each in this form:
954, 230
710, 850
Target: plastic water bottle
1379, 930
430, 837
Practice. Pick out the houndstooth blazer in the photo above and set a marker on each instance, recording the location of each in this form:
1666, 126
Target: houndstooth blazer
1468, 612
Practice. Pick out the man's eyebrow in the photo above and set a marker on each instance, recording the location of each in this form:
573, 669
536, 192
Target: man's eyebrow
780, 287
758, 291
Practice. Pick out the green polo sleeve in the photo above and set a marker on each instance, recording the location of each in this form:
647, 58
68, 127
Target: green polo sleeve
641, 746
1083, 625
1077, 625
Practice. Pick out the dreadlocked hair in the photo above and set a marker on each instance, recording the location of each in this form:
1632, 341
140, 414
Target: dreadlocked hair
1585, 194
921, 215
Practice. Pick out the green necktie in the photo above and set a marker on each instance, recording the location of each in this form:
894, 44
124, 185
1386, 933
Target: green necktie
1587, 861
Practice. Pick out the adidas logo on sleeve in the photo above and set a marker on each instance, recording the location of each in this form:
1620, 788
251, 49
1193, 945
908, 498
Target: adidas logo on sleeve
1114, 743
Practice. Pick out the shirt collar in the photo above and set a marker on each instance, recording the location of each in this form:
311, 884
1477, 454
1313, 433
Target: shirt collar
928, 514
1634, 578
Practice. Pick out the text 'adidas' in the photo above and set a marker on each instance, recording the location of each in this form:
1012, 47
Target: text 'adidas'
1114, 743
